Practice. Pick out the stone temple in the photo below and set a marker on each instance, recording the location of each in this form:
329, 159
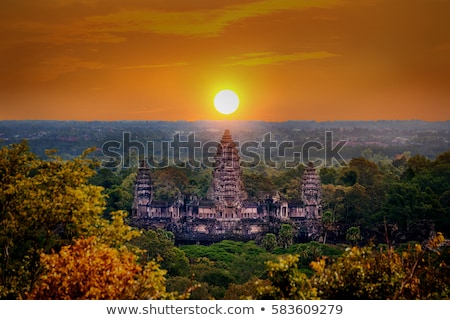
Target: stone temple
226, 213
227, 189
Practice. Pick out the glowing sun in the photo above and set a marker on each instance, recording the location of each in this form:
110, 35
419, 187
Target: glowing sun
226, 101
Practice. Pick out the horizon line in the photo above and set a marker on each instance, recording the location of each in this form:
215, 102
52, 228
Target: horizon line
222, 120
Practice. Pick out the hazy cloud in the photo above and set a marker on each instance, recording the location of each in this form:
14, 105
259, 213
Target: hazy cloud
52, 68
264, 58
196, 22
151, 66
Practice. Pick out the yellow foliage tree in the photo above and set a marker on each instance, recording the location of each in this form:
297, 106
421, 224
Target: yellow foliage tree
89, 269
285, 281
44, 206
367, 273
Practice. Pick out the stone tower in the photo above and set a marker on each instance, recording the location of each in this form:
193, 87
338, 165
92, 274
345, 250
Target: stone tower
143, 193
310, 193
227, 189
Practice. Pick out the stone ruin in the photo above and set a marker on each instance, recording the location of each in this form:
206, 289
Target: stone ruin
227, 213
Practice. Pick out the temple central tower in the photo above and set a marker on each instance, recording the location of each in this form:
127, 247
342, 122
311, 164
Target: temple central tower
227, 189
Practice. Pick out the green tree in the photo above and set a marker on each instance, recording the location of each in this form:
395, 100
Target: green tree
367, 171
328, 221
159, 246
356, 206
199, 180
288, 182
328, 175
118, 198
418, 163
105, 178
407, 204
257, 185
269, 242
241, 261
286, 235
333, 199
348, 176
353, 235
169, 182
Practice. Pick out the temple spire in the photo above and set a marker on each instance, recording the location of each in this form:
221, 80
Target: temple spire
227, 188
143, 192
310, 192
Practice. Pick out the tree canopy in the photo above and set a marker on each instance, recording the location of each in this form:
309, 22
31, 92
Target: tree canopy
64, 235
54, 238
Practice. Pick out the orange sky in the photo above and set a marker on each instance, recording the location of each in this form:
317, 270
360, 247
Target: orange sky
165, 60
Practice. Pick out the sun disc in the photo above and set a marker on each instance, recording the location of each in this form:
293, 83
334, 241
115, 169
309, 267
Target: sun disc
226, 101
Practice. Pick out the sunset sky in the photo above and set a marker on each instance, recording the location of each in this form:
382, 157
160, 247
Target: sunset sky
165, 60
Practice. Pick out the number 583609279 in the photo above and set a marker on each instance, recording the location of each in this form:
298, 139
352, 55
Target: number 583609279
307, 309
